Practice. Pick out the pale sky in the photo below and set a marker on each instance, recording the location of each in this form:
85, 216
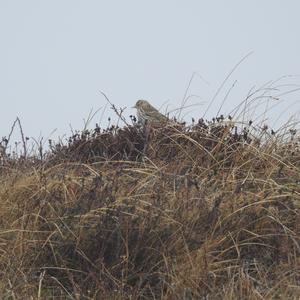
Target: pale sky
56, 56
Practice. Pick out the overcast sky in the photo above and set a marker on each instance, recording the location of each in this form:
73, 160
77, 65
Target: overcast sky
56, 56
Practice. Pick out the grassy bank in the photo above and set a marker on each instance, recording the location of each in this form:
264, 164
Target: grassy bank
207, 211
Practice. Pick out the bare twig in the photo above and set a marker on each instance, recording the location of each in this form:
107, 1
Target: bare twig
23, 137
118, 113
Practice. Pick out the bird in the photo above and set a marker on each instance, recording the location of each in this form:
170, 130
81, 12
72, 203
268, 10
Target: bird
146, 113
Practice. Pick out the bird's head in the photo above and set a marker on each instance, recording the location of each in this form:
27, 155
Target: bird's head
140, 104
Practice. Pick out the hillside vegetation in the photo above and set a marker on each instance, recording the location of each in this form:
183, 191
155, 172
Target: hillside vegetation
207, 211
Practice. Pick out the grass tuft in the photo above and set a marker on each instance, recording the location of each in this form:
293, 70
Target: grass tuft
207, 211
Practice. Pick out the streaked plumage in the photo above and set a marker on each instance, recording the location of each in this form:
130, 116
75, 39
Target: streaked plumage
147, 113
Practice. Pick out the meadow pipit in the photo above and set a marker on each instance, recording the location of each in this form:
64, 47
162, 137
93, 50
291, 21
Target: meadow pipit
147, 113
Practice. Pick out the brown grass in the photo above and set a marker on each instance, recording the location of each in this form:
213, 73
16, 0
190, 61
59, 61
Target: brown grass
208, 211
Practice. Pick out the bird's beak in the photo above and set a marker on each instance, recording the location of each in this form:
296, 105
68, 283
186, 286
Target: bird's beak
133, 107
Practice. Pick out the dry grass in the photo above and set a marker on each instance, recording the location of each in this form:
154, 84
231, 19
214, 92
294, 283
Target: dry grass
201, 212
